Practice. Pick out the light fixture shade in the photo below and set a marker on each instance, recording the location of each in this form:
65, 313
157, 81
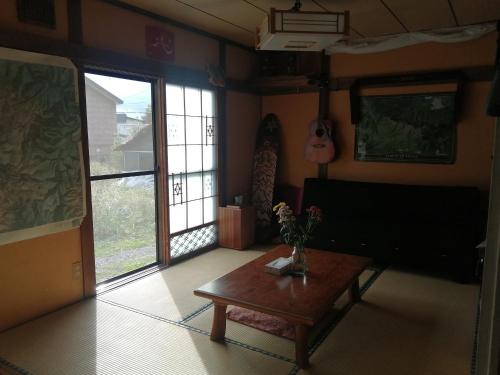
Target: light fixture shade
288, 30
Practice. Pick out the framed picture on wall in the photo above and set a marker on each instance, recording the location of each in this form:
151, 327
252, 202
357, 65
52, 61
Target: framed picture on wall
411, 128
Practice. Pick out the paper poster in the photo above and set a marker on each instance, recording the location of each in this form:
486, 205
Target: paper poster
41, 171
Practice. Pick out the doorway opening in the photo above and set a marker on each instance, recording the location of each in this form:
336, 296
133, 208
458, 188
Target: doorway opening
123, 175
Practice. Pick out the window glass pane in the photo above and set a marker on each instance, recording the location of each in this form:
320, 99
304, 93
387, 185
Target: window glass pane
208, 103
195, 213
124, 218
146, 160
175, 130
176, 159
175, 100
194, 186
209, 157
177, 217
170, 191
209, 209
131, 161
119, 122
193, 101
194, 159
199, 176
193, 130
209, 183
209, 131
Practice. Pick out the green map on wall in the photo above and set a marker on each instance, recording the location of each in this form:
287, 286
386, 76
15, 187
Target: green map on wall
418, 128
40, 150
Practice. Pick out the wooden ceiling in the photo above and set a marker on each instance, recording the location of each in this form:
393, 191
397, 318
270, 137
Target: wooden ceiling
237, 19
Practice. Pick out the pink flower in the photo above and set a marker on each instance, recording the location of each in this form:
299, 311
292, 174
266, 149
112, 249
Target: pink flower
315, 213
292, 231
314, 209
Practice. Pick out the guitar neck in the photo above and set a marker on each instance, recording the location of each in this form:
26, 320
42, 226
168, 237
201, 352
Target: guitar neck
324, 88
323, 103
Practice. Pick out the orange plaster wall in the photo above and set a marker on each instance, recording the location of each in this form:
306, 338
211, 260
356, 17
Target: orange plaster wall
108, 27
8, 20
36, 276
243, 115
474, 144
474, 131
295, 112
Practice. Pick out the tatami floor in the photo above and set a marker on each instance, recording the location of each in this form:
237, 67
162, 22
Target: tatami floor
407, 324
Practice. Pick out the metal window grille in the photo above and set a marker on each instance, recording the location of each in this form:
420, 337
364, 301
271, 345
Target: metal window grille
193, 240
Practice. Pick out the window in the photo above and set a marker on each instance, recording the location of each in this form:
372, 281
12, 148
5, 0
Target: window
192, 168
122, 173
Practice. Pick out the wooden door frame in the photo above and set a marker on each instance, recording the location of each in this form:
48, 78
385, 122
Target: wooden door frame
161, 195
87, 226
488, 345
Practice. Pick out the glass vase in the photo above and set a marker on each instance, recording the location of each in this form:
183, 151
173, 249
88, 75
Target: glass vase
299, 266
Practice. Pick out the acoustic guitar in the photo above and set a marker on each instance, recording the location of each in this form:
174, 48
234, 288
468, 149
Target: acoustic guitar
319, 146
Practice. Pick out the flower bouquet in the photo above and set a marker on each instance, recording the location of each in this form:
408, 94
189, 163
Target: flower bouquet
295, 234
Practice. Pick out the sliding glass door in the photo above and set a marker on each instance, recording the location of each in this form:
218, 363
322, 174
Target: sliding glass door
191, 123
122, 173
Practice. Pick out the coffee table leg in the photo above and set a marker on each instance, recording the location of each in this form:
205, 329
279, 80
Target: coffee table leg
301, 355
354, 293
219, 323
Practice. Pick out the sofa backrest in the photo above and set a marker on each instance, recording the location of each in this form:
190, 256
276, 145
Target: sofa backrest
355, 200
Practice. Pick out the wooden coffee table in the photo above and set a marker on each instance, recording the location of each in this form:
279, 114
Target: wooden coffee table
303, 301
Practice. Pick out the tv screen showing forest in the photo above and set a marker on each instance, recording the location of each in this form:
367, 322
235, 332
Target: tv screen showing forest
415, 128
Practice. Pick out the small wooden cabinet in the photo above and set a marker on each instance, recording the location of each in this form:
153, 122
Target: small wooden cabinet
236, 227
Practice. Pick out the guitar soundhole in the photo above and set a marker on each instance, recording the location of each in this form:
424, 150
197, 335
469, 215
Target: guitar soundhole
320, 132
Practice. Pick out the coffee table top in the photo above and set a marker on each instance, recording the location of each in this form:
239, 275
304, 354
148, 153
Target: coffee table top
302, 300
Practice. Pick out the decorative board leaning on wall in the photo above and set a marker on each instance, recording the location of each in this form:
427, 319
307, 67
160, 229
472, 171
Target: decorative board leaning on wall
41, 167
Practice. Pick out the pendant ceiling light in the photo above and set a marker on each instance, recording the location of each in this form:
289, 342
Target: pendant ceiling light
296, 30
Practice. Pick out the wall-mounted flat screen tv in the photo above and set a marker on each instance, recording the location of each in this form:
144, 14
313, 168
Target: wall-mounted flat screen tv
413, 128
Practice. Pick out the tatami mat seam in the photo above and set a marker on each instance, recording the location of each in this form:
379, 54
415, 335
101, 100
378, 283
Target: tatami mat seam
200, 331
197, 312
149, 315
204, 308
14, 367
321, 338
259, 350
181, 323
363, 289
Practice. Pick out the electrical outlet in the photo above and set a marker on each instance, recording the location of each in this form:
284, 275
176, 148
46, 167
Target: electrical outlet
77, 270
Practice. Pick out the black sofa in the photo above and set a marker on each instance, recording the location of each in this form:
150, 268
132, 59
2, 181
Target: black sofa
429, 226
